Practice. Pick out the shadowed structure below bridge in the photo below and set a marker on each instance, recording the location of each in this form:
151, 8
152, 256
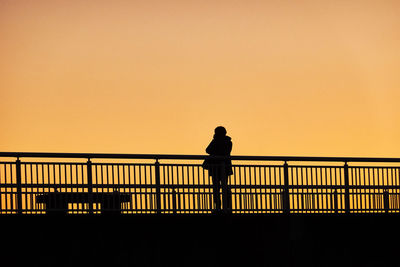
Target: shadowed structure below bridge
202, 240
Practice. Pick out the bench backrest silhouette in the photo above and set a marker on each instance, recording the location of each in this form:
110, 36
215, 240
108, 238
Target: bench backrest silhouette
83, 183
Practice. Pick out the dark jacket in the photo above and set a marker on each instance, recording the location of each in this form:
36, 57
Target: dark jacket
221, 146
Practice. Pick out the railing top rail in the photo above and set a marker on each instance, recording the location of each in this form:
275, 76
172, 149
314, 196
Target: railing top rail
190, 157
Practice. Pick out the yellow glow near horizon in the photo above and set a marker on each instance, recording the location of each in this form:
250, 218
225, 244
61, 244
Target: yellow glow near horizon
306, 78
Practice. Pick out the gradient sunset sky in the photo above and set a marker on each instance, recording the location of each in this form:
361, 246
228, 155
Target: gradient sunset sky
301, 78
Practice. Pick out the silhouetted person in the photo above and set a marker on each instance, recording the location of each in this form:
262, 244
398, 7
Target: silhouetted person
220, 169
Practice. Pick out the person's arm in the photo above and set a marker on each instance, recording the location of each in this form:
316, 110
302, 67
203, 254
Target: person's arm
230, 147
211, 147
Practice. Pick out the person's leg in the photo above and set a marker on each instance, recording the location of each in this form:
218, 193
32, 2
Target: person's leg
227, 194
216, 193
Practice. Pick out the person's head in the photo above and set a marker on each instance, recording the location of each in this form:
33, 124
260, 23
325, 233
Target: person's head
220, 131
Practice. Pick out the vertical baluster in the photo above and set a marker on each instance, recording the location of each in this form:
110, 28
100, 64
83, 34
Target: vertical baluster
19, 186
90, 185
158, 188
194, 189
136, 190
347, 188
286, 198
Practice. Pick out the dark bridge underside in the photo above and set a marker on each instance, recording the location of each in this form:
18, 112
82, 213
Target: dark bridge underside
202, 240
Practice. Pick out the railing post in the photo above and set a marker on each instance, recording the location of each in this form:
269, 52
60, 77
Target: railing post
335, 201
158, 186
90, 185
386, 201
175, 202
346, 188
286, 199
19, 186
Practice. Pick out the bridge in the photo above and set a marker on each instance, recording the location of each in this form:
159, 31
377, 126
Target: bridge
88, 183
277, 211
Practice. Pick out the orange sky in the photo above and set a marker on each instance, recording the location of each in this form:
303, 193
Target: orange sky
301, 78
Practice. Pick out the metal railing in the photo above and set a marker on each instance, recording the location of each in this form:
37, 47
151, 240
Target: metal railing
77, 183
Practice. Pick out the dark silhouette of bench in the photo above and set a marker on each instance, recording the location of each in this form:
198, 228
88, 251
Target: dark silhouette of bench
57, 202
